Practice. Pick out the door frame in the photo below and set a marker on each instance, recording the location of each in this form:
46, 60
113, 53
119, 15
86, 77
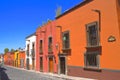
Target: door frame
33, 63
49, 64
28, 64
59, 67
40, 63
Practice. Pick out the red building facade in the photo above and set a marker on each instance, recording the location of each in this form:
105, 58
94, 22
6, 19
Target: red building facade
45, 48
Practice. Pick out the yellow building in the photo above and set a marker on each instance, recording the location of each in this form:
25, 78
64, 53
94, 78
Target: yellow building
16, 59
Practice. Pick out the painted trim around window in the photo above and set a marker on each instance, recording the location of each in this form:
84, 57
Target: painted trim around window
63, 41
97, 33
97, 60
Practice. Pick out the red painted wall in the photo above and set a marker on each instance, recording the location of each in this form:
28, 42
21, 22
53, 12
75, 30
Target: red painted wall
43, 33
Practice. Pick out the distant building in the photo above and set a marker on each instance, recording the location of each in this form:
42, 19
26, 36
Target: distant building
22, 58
16, 58
1, 58
9, 58
30, 51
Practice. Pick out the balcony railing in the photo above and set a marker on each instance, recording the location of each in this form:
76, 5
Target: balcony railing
41, 51
50, 49
27, 52
32, 52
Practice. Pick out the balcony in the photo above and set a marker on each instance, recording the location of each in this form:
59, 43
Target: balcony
41, 51
33, 53
94, 48
27, 52
50, 49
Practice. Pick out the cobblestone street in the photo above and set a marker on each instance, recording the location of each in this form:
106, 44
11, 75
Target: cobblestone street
12, 73
9, 73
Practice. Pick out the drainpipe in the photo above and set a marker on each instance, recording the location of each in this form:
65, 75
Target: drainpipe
99, 14
59, 48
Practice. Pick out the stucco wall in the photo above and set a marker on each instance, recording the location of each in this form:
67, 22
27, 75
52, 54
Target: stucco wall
30, 40
75, 22
43, 33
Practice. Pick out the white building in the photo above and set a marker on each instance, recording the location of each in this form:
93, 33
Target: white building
30, 51
1, 59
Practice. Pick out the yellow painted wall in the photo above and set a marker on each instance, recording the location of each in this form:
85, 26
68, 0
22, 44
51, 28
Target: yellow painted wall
17, 59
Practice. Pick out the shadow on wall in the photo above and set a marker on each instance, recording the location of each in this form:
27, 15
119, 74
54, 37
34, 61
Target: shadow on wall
3, 75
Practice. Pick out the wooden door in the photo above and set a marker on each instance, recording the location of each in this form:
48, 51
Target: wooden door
27, 65
62, 65
51, 64
41, 64
33, 63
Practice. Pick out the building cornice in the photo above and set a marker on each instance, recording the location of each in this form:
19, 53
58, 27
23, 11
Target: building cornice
74, 8
31, 35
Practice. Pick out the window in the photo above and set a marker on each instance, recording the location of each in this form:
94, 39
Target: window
66, 40
50, 44
41, 46
33, 45
41, 64
33, 49
27, 50
92, 34
92, 59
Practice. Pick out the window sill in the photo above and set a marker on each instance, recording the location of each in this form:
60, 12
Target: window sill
41, 53
97, 46
97, 69
50, 52
66, 49
94, 48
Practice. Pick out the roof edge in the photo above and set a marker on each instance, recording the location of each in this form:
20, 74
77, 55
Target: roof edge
31, 35
75, 7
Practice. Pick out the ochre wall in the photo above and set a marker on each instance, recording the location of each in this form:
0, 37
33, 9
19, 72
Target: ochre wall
17, 58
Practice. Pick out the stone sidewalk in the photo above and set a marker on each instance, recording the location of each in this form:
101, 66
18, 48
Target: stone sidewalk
65, 77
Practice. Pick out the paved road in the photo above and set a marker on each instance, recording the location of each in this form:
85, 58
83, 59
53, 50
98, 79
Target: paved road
9, 73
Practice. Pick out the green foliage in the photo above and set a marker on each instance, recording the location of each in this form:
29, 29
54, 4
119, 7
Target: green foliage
12, 50
6, 50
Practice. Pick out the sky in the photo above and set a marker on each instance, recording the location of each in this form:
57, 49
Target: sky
20, 18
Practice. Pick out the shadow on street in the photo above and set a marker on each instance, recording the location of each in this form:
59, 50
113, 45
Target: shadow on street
3, 75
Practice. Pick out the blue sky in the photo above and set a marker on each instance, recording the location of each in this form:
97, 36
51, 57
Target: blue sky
20, 18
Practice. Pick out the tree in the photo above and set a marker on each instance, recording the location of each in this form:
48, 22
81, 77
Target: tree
12, 50
6, 50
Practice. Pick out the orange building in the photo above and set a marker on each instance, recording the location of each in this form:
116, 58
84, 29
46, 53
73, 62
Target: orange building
19, 58
9, 58
5, 58
88, 37
22, 59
